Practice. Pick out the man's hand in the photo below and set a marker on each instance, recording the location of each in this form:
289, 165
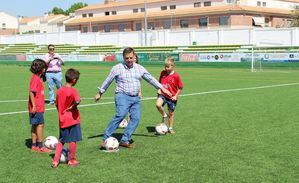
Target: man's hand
164, 90
97, 97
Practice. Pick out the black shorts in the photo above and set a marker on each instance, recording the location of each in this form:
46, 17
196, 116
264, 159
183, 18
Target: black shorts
36, 118
70, 134
170, 103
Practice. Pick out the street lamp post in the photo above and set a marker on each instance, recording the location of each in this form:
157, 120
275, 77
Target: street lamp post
145, 23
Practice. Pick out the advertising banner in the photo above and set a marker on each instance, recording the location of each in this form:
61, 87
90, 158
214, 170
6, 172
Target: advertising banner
220, 57
189, 57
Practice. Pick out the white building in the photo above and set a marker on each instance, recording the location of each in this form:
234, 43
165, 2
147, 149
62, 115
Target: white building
43, 24
8, 24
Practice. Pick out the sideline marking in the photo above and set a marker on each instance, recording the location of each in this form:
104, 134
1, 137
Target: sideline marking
11, 101
183, 95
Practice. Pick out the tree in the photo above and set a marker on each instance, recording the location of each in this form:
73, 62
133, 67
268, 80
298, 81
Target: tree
74, 7
295, 19
57, 11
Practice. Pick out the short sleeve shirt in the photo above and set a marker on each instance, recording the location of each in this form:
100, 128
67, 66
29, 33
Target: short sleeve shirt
171, 82
36, 86
66, 97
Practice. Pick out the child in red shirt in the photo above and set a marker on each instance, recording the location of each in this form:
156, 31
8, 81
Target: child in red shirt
36, 105
171, 81
67, 100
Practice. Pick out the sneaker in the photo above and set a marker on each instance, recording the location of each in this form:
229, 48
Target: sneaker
51, 103
73, 163
34, 149
171, 131
44, 150
126, 145
55, 164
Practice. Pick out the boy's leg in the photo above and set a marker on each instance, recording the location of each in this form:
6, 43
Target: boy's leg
135, 113
51, 84
33, 137
72, 160
39, 131
122, 108
171, 107
159, 105
171, 119
72, 147
58, 152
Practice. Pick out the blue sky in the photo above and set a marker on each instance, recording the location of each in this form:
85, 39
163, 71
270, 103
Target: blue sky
37, 7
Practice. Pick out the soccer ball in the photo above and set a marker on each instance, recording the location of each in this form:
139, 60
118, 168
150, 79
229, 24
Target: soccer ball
111, 144
51, 142
64, 155
161, 129
123, 124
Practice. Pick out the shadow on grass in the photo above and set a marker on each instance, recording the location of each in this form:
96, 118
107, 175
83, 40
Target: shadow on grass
151, 129
119, 135
28, 143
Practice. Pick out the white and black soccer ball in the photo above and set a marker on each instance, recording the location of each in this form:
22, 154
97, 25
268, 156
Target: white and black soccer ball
64, 158
111, 144
161, 129
123, 124
51, 142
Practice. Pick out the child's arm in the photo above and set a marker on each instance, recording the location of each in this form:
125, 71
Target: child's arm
31, 94
74, 106
176, 96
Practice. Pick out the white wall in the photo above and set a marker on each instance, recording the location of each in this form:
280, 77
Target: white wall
10, 22
260, 36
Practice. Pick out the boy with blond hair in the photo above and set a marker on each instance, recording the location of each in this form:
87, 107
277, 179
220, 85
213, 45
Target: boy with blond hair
171, 81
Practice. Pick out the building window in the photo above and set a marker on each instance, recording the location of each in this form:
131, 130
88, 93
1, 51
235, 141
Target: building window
95, 29
138, 26
142, 9
3, 25
203, 22
85, 29
223, 21
84, 15
207, 3
135, 10
184, 23
172, 7
259, 3
107, 13
197, 4
121, 27
107, 28
90, 14
167, 24
151, 25
229, 1
113, 12
163, 8
264, 4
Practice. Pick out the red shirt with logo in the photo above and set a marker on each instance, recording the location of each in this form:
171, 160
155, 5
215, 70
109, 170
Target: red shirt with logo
171, 82
36, 86
66, 97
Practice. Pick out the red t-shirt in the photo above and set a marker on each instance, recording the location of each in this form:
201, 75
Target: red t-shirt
36, 86
66, 97
171, 82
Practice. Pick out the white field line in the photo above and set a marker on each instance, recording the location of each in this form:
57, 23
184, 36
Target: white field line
183, 95
12, 101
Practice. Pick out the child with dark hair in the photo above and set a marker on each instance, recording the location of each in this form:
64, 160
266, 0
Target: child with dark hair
67, 100
36, 106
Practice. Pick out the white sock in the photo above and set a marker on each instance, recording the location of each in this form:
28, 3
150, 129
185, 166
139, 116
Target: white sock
165, 115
